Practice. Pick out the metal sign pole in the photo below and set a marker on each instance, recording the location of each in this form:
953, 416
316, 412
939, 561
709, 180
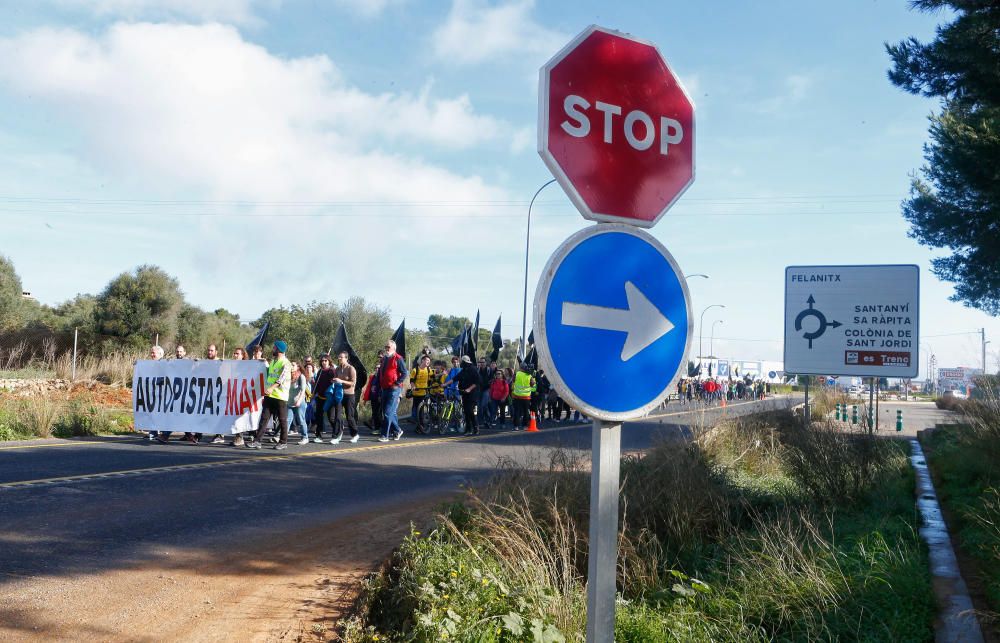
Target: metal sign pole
602, 565
806, 412
871, 405
76, 335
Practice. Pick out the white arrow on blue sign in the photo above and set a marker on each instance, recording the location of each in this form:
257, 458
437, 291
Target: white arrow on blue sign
612, 322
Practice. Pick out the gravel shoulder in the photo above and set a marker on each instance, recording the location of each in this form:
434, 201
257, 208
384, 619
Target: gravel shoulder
292, 590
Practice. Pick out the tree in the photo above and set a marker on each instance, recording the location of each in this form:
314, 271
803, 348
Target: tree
310, 330
955, 203
136, 307
441, 330
11, 301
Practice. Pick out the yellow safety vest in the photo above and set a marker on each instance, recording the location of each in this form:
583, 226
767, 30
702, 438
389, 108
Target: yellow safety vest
524, 384
420, 381
279, 375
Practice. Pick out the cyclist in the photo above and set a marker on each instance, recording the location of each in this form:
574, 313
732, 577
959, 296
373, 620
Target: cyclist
420, 385
451, 393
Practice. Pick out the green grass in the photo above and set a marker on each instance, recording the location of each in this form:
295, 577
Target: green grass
27, 373
731, 544
967, 478
46, 416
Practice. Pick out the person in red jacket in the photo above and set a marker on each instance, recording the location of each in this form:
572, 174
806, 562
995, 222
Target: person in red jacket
392, 376
499, 390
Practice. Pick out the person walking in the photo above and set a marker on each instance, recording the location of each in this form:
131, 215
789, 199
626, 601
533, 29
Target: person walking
324, 379
469, 385
297, 402
374, 397
498, 392
276, 389
347, 376
155, 354
524, 385
485, 379
180, 352
392, 376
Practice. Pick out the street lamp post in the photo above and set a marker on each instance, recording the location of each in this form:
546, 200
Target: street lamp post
701, 325
711, 339
527, 246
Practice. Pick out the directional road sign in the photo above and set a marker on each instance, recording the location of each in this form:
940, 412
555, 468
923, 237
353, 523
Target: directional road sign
616, 127
852, 320
612, 321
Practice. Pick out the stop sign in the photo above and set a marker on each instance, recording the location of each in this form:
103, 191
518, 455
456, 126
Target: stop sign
616, 127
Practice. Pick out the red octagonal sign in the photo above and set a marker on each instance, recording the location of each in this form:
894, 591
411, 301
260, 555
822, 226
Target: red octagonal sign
616, 127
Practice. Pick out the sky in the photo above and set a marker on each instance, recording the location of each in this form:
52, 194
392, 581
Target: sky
274, 152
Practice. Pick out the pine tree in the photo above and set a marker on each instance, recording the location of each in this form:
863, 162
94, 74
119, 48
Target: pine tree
955, 201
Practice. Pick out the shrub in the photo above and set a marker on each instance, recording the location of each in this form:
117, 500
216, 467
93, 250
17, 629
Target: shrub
82, 419
832, 465
34, 416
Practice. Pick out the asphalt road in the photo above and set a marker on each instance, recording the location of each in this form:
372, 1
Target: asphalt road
75, 507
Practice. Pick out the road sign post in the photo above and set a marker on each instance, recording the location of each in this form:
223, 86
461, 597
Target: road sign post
612, 314
612, 342
604, 480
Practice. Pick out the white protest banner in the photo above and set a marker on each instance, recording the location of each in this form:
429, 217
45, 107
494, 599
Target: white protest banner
198, 396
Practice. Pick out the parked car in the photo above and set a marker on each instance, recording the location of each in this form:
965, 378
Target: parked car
954, 393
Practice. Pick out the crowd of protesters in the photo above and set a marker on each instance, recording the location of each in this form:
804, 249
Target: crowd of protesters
320, 400
715, 389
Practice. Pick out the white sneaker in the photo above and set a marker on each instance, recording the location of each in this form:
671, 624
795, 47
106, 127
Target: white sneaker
335, 441
383, 439
317, 440
355, 439
218, 439
304, 441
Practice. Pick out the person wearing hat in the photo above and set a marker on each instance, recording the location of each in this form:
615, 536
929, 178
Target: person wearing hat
276, 390
469, 384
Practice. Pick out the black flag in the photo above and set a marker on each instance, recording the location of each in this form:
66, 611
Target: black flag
497, 342
341, 343
458, 344
400, 338
532, 358
259, 338
472, 340
475, 337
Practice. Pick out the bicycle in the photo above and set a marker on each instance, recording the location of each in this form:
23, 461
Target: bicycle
438, 413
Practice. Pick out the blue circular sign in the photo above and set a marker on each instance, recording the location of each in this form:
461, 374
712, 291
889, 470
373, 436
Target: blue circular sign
612, 321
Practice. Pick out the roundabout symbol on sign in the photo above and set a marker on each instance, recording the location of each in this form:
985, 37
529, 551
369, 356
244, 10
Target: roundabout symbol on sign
820, 317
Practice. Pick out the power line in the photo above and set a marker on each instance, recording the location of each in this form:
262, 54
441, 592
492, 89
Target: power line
399, 215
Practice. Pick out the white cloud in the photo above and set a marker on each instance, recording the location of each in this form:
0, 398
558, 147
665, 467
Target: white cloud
199, 107
232, 11
475, 32
188, 112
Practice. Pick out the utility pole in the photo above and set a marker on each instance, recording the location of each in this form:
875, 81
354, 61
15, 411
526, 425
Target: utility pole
982, 338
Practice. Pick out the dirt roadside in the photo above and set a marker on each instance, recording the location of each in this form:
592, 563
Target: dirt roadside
292, 590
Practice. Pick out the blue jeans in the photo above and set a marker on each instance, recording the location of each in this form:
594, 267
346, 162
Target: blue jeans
297, 415
390, 404
492, 411
484, 407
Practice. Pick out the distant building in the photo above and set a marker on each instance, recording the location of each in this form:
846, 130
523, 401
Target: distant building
959, 378
27, 295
